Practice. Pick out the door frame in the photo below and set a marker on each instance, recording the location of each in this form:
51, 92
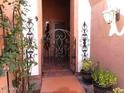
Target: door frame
73, 33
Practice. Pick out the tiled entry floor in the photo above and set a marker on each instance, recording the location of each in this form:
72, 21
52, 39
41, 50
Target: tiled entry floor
61, 84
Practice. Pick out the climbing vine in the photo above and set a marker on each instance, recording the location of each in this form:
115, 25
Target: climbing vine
15, 59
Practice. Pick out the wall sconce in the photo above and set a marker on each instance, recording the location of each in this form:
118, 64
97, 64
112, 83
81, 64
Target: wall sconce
111, 15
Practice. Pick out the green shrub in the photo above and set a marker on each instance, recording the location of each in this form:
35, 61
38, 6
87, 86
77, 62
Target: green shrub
87, 65
104, 78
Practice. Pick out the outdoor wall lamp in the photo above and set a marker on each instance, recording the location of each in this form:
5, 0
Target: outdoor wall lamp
111, 15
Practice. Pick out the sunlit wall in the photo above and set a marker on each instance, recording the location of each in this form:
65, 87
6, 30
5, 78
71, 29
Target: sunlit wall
84, 15
32, 14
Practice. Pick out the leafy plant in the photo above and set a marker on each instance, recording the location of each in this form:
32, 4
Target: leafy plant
31, 87
16, 46
87, 65
1, 70
104, 78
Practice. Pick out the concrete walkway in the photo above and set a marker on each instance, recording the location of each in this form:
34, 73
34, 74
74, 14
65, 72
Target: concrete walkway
61, 84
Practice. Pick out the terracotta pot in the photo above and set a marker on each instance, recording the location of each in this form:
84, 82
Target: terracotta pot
86, 76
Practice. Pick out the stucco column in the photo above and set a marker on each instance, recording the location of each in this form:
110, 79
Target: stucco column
84, 15
32, 13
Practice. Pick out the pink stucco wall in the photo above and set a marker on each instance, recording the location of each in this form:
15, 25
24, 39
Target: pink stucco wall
3, 80
109, 51
3, 83
53, 14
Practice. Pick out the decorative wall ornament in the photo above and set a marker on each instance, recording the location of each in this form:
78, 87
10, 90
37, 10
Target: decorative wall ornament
30, 37
30, 51
84, 41
84, 26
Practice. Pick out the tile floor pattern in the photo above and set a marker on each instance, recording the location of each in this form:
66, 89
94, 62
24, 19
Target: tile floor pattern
61, 84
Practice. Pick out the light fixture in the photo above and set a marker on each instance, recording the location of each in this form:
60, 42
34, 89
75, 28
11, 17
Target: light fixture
111, 15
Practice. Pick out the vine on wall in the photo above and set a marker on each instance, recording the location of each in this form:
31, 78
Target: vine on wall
17, 55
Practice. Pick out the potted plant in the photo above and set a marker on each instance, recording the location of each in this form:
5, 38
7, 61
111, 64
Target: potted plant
86, 71
103, 80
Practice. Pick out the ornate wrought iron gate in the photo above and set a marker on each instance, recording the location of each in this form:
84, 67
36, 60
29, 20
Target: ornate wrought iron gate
56, 49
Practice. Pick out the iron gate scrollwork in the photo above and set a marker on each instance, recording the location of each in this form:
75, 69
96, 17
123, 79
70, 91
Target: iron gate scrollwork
61, 43
59, 46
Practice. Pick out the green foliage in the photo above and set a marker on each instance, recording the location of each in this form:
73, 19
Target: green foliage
1, 70
14, 53
104, 78
31, 87
15, 83
87, 65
